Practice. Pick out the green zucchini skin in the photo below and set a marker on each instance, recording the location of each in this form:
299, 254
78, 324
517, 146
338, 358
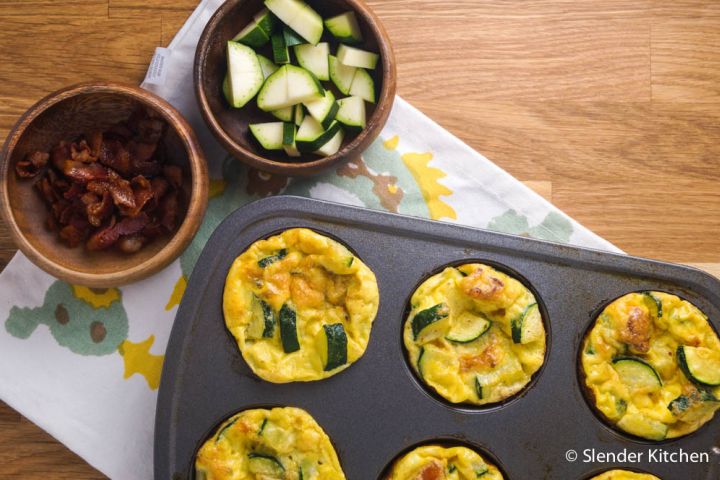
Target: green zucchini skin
269, 319
654, 303
267, 261
288, 329
419, 365
478, 389
683, 363
269, 460
291, 37
221, 433
337, 346
281, 54
262, 427
427, 317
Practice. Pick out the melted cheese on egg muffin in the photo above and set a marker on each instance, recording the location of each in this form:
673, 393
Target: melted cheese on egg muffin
300, 305
651, 364
474, 334
433, 462
278, 444
624, 475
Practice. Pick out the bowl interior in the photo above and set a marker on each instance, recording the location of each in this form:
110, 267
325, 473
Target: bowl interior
213, 67
66, 120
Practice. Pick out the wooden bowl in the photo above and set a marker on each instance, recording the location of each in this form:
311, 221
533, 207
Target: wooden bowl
230, 125
64, 115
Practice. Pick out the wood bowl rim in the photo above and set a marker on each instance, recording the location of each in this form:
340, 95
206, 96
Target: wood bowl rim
353, 149
174, 247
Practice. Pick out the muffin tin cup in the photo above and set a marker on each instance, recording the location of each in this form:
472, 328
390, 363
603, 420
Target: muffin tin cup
376, 409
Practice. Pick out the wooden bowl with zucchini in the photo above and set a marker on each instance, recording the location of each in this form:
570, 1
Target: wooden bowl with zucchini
294, 87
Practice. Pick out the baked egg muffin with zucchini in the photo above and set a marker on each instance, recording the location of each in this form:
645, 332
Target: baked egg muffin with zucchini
474, 334
434, 462
300, 305
278, 444
651, 366
624, 475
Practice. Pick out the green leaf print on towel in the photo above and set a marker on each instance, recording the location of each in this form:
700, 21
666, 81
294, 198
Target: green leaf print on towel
554, 227
86, 321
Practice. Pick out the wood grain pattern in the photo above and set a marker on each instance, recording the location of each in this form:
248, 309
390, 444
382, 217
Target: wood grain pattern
613, 106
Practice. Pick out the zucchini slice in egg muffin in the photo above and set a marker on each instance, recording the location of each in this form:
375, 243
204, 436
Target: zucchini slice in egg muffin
474, 334
300, 305
443, 463
651, 366
278, 444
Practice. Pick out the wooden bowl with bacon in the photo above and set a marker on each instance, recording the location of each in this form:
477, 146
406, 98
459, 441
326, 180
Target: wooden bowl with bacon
102, 184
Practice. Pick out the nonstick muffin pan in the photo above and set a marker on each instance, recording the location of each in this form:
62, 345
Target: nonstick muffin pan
377, 408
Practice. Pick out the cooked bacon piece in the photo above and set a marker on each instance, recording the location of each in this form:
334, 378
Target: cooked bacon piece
75, 191
71, 236
60, 154
490, 357
432, 471
84, 172
169, 210
99, 210
32, 164
119, 188
113, 154
108, 236
46, 190
482, 285
81, 152
95, 141
636, 331
174, 175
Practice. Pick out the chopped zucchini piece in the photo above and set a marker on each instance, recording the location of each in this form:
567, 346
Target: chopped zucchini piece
262, 324
351, 113
299, 114
288, 329
643, 426
342, 75
266, 65
288, 86
224, 430
701, 365
333, 346
654, 304
226, 90
267, 21
292, 151
323, 110
291, 37
345, 28
354, 57
311, 136
528, 327
362, 86
288, 134
245, 77
298, 15
253, 35
262, 464
478, 388
427, 317
314, 58
303, 86
333, 145
467, 328
269, 135
280, 51
284, 114
267, 261
637, 374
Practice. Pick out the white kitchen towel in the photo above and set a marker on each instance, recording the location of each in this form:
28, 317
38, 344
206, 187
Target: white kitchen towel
85, 364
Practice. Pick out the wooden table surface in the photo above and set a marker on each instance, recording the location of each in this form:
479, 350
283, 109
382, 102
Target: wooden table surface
610, 108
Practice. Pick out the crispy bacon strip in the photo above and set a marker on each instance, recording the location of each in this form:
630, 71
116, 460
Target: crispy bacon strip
108, 236
636, 331
32, 164
482, 285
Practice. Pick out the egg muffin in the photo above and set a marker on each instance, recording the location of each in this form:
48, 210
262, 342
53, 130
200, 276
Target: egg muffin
474, 334
624, 475
300, 305
278, 444
433, 462
651, 365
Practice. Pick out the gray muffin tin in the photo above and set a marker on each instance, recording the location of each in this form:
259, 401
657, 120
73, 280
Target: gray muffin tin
377, 408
